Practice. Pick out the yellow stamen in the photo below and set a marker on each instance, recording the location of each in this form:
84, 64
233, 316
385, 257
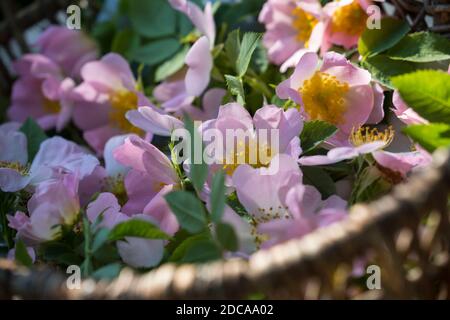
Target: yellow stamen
23, 170
349, 19
51, 106
365, 135
121, 102
324, 97
304, 23
242, 155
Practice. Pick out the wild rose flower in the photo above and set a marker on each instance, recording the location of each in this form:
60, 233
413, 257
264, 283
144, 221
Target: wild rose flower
41, 92
54, 203
371, 141
281, 207
136, 252
292, 27
149, 167
55, 155
107, 178
337, 92
346, 21
43, 89
256, 139
307, 212
69, 49
109, 90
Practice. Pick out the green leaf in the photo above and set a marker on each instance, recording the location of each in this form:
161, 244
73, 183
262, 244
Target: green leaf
227, 236
369, 185
136, 228
125, 42
314, 133
260, 60
202, 251
152, 19
320, 179
155, 51
233, 45
421, 47
198, 170
248, 45
218, 196
236, 88
35, 136
430, 136
100, 238
22, 255
172, 65
188, 210
373, 41
427, 92
382, 68
180, 251
107, 272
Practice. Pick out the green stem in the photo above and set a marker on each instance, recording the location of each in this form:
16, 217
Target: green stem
176, 166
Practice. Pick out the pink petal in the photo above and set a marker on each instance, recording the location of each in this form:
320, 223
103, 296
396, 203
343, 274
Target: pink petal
199, 61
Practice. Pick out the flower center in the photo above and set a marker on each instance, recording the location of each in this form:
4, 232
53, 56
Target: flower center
255, 154
116, 186
121, 102
51, 106
324, 97
23, 170
266, 215
365, 135
304, 23
349, 19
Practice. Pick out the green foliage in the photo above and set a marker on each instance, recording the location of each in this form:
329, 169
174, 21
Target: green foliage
136, 228
35, 136
373, 41
217, 196
226, 236
21, 254
155, 51
188, 209
320, 179
152, 19
431, 136
202, 251
427, 92
198, 170
369, 185
107, 272
421, 47
172, 65
236, 88
314, 133
125, 42
384, 68
247, 47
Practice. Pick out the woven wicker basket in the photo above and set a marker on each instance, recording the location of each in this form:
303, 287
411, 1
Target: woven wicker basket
406, 234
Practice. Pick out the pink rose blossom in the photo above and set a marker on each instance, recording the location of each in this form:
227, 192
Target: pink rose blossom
109, 90
54, 203
292, 28
337, 92
136, 252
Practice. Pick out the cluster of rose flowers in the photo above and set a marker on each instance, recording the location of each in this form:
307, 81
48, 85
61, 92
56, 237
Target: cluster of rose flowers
119, 175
